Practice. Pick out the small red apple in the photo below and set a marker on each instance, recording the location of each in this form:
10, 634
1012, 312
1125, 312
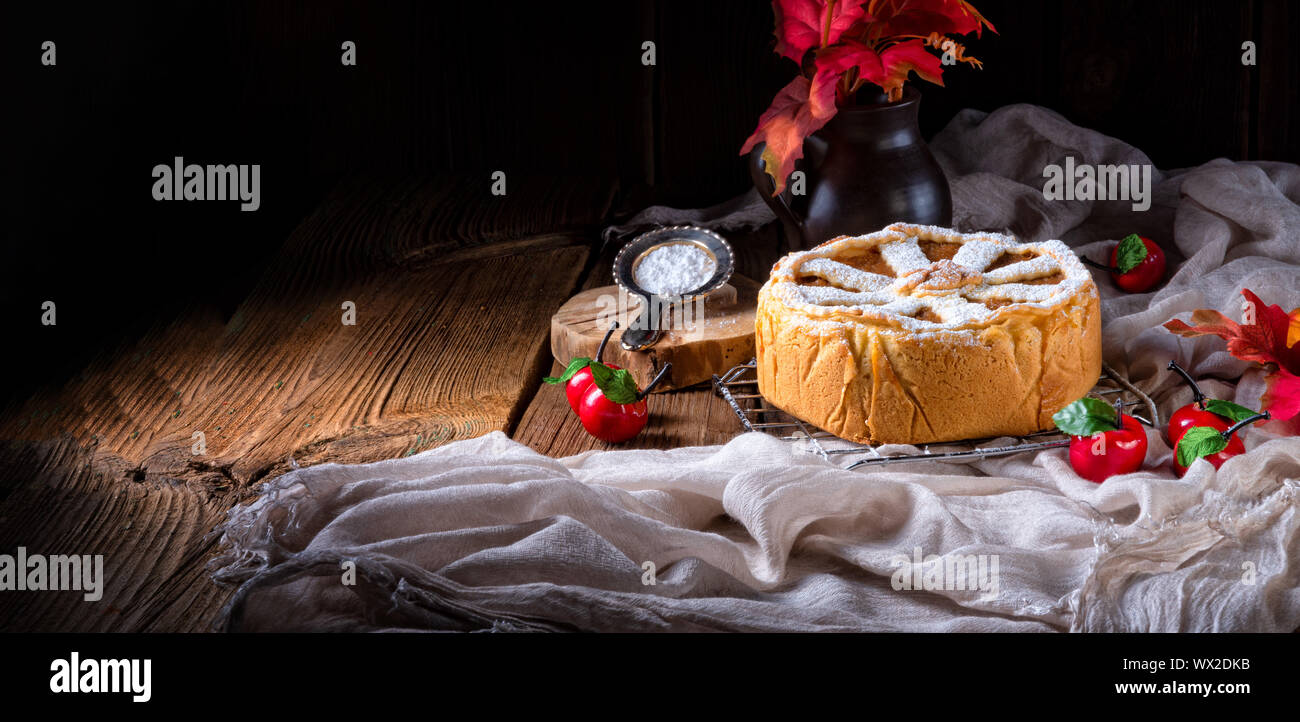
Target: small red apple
613, 409
1138, 264
1103, 441
1109, 453
606, 399
610, 421
1195, 414
1216, 447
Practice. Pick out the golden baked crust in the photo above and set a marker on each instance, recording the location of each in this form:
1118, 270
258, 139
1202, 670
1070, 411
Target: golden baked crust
919, 334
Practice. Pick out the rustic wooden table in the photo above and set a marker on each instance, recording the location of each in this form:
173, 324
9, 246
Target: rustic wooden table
453, 296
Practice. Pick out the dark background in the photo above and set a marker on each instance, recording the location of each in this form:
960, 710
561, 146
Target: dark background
549, 90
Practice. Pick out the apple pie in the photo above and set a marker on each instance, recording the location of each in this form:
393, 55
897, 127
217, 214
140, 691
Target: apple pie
920, 334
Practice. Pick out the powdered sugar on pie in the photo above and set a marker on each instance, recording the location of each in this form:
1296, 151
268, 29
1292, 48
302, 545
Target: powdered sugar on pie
965, 281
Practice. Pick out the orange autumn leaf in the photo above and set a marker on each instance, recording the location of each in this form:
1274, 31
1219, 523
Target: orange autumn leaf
903, 58
784, 126
922, 17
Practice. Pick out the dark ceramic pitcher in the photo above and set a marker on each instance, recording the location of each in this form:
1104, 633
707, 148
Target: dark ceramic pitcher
866, 168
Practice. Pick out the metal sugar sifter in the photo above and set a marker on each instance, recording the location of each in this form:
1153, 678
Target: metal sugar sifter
643, 332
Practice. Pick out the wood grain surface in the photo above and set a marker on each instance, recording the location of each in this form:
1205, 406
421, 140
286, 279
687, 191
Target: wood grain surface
453, 295
61, 497
719, 335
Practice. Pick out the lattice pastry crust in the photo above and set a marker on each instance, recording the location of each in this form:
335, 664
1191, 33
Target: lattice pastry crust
917, 333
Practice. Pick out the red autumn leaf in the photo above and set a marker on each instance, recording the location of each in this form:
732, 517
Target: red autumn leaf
1282, 395
1278, 324
783, 127
1246, 342
800, 24
1262, 339
922, 17
911, 56
831, 65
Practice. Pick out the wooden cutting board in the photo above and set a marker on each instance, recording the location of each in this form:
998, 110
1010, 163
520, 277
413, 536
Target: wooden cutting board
723, 339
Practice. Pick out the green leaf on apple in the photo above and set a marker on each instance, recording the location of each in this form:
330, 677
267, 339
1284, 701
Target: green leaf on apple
618, 386
1086, 417
574, 367
1131, 252
1229, 410
1199, 441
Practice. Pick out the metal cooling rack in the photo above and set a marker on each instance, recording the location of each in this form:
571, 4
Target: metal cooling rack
739, 388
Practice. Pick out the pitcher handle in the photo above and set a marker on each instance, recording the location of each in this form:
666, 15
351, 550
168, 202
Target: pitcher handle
763, 183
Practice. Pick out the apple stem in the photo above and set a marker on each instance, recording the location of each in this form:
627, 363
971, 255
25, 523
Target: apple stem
1228, 432
1101, 266
1197, 396
654, 381
600, 350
